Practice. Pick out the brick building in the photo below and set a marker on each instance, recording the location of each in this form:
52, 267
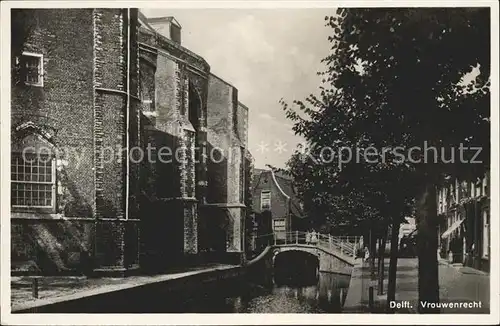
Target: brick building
189, 108
227, 150
275, 204
94, 86
174, 95
74, 93
465, 222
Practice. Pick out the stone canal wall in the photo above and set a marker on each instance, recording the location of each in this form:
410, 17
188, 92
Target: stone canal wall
145, 293
135, 294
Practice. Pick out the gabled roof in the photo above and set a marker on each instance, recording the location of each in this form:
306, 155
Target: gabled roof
284, 183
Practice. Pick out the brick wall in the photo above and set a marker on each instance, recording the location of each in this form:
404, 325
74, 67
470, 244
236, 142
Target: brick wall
116, 73
219, 126
65, 39
179, 98
226, 175
279, 203
198, 91
89, 67
83, 108
110, 123
50, 246
250, 224
61, 101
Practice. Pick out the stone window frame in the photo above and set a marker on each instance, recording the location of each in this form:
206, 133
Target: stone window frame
39, 56
44, 137
53, 183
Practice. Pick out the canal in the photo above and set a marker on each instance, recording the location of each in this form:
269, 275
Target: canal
292, 284
323, 294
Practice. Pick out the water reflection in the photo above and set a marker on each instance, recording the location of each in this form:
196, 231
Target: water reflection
325, 295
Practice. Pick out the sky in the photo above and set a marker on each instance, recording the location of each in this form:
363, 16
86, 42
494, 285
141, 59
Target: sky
267, 54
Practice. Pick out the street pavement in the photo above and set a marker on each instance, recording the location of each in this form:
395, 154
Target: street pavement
456, 284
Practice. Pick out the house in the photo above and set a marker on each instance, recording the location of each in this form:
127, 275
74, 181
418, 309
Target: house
464, 208
276, 206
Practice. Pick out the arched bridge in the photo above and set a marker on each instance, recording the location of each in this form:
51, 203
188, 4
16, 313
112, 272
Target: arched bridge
335, 254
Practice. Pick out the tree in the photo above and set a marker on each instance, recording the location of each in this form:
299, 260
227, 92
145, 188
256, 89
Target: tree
403, 78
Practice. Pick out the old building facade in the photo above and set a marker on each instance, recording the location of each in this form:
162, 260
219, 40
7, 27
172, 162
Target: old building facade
275, 204
112, 112
174, 95
74, 97
464, 209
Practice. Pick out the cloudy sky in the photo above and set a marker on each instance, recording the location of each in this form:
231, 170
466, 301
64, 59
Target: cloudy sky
267, 54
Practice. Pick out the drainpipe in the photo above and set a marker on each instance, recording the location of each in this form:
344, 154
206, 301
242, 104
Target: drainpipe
127, 175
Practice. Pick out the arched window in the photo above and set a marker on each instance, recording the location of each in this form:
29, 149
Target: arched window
33, 171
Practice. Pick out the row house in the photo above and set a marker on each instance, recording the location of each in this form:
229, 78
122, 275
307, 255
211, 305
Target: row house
464, 208
276, 206
110, 137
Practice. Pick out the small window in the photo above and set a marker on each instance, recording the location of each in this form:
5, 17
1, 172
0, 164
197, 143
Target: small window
280, 225
32, 181
32, 65
265, 200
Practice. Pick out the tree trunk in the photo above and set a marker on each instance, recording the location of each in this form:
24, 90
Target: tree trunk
381, 262
393, 263
426, 216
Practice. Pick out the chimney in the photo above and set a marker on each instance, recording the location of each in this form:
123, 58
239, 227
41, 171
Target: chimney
168, 27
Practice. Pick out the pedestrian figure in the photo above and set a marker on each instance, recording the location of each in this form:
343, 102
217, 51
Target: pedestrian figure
367, 254
314, 238
308, 237
469, 261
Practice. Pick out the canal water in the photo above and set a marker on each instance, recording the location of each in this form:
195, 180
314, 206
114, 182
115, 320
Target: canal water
324, 294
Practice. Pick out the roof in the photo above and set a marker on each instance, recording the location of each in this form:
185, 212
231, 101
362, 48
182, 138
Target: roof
164, 42
166, 19
143, 20
284, 183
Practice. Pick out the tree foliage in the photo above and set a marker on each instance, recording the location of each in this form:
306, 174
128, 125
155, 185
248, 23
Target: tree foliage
395, 78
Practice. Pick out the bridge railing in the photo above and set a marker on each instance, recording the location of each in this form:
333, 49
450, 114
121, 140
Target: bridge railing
345, 245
